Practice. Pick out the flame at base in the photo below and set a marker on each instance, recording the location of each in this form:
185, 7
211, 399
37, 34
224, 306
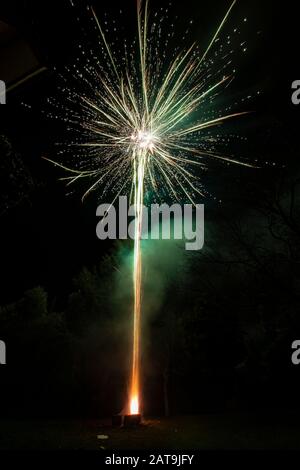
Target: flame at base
134, 405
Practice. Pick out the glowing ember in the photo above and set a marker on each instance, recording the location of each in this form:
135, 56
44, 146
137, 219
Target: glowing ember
134, 406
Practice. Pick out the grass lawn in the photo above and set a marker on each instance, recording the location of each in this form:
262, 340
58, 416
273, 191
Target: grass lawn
210, 431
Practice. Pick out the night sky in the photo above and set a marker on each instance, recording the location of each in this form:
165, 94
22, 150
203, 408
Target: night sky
48, 237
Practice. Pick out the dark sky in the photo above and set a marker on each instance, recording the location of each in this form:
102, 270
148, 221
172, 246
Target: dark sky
48, 237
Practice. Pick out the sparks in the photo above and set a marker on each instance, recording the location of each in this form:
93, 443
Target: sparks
144, 139
146, 122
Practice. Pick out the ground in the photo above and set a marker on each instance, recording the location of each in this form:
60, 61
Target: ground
214, 431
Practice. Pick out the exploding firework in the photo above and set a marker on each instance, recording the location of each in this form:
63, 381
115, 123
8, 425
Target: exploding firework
145, 121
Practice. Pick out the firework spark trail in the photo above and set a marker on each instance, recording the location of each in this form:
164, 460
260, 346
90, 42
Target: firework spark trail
140, 157
138, 129
139, 173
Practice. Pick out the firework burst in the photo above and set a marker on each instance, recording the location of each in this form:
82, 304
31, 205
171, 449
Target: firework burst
145, 121
137, 104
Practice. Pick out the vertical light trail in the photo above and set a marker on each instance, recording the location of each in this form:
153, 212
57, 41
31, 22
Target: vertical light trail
139, 172
139, 157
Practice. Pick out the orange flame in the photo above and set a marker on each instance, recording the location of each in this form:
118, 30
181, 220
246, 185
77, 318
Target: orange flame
134, 405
